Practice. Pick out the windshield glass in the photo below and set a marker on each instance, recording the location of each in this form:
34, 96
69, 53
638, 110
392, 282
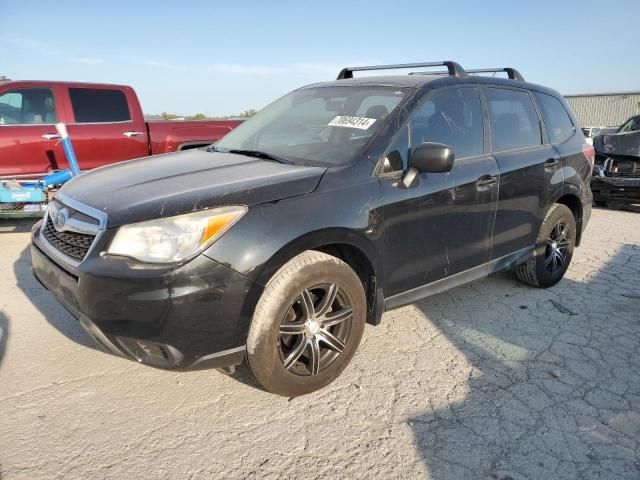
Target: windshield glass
325, 126
632, 125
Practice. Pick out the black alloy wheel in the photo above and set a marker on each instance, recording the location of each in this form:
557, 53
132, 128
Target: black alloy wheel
315, 329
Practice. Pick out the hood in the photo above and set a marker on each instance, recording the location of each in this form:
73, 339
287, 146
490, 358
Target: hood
627, 144
177, 183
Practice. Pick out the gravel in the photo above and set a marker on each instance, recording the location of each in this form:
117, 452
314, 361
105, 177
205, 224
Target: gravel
493, 380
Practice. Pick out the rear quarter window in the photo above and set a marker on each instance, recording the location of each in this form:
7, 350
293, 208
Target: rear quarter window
93, 105
556, 119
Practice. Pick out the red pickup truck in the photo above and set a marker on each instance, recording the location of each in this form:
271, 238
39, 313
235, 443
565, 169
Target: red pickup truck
105, 123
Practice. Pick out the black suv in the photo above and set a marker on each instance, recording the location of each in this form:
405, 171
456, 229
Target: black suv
333, 204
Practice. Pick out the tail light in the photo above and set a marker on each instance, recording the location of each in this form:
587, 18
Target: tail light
589, 153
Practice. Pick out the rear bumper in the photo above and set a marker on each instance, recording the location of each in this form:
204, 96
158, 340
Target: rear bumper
616, 189
193, 316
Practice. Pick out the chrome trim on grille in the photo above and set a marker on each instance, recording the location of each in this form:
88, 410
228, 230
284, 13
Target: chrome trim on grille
86, 209
73, 225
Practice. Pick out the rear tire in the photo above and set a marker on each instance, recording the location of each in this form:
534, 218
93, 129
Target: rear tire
554, 249
307, 325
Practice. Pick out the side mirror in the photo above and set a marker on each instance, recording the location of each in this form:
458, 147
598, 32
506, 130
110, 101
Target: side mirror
431, 157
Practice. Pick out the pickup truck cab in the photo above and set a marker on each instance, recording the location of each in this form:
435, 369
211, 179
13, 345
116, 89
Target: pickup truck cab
105, 123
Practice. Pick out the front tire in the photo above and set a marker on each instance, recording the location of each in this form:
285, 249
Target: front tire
307, 325
554, 249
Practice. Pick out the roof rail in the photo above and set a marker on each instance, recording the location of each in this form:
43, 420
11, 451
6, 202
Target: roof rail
511, 72
455, 70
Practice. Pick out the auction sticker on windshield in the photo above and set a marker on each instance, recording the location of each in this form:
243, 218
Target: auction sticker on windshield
361, 123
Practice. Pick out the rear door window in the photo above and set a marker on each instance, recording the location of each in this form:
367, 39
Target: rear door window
27, 106
514, 121
96, 105
556, 119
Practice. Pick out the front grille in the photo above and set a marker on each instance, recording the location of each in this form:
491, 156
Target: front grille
73, 244
624, 168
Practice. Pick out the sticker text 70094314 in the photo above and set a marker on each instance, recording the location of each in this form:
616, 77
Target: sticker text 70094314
361, 123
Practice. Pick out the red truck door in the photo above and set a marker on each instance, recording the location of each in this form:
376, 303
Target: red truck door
107, 126
28, 138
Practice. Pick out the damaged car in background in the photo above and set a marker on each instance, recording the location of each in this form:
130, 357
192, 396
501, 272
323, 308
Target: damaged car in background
616, 173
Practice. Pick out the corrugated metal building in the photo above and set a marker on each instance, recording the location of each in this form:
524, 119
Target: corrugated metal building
604, 109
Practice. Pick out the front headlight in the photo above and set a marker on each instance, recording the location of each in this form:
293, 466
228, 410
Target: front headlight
173, 239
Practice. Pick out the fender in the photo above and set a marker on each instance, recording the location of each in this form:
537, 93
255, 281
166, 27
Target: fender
321, 239
576, 205
565, 189
360, 250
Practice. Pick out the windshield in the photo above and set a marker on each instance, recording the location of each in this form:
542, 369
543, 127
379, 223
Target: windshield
632, 125
325, 126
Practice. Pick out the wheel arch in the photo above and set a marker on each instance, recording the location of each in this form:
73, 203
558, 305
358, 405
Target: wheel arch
570, 197
356, 250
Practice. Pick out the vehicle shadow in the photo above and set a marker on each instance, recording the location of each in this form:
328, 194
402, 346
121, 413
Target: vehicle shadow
18, 225
548, 381
47, 304
4, 335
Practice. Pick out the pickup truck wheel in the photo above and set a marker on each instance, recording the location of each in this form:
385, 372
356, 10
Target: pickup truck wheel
554, 249
307, 325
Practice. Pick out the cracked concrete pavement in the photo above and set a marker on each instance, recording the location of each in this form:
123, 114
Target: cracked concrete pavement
493, 380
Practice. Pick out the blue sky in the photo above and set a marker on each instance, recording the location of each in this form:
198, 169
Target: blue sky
220, 58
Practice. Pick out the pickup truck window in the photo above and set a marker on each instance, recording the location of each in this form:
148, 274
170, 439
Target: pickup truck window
325, 126
28, 106
97, 105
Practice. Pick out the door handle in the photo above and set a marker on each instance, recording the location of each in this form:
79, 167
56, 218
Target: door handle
551, 164
485, 183
132, 134
51, 136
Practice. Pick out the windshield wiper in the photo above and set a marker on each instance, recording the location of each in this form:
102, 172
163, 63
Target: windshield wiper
259, 154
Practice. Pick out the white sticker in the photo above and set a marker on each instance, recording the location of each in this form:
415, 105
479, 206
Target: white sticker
361, 123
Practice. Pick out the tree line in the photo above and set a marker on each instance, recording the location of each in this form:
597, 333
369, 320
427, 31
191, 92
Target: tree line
198, 116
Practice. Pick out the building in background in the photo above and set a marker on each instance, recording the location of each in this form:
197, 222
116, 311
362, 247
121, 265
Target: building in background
604, 109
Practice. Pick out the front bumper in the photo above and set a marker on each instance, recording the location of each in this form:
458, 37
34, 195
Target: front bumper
616, 189
192, 316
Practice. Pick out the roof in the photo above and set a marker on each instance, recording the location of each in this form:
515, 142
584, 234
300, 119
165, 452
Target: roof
58, 82
382, 80
419, 80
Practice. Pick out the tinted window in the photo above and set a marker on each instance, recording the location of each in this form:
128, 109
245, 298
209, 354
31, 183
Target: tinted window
514, 122
453, 117
374, 106
318, 125
632, 125
97, 105
29, 106
556, 119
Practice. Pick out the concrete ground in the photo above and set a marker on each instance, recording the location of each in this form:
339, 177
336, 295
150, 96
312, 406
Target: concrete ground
491, 380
